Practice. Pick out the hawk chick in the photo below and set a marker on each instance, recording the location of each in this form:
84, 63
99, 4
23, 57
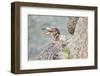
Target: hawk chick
54, 33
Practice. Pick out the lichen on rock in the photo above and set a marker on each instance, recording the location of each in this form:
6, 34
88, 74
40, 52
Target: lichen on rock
78, 43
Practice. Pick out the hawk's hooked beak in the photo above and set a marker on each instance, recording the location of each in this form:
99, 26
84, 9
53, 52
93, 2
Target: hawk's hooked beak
48, 30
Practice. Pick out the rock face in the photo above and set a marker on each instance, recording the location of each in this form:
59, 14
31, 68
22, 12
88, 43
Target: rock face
71, 24
78, 43
51, 51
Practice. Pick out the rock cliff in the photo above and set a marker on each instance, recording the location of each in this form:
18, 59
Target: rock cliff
78, 43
